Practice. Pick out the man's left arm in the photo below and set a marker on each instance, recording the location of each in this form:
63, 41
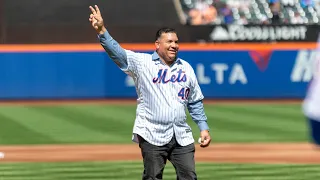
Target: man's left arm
197, 114
196, 110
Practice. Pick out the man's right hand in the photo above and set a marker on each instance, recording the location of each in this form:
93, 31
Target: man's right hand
96, 20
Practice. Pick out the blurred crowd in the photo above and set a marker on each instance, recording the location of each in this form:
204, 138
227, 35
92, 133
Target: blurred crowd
202, 12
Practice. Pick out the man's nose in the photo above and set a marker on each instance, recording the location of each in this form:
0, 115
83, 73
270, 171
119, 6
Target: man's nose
174, 45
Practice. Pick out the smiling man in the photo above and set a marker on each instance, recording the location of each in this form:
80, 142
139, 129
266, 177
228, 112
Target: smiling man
166, 86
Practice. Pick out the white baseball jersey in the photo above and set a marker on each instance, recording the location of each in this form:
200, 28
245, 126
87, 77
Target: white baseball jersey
163, 93
311, 104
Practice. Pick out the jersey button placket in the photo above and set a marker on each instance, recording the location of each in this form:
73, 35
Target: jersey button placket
174, 101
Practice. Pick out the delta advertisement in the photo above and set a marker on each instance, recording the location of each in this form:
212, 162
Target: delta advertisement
221, 74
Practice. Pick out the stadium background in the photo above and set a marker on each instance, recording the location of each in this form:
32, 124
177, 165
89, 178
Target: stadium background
67, 111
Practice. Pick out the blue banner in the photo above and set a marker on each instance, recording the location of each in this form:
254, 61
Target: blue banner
221, 74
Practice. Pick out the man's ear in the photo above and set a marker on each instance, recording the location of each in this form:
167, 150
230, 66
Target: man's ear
157, 44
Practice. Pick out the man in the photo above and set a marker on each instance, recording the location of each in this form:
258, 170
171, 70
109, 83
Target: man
311, 105
166, 85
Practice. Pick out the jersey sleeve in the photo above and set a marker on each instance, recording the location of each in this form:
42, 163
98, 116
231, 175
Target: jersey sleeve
195, 90
128, 61
134, 61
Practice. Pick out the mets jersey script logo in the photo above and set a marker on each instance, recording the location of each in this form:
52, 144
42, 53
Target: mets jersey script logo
163, 94
163, 78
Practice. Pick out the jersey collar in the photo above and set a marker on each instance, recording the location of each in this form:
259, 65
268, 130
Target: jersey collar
155, 57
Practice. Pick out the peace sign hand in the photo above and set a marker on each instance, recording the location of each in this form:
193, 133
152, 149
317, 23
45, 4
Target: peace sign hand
96, 19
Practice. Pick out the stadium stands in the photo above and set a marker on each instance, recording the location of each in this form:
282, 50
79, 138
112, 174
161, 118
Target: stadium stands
200, 12
66, 21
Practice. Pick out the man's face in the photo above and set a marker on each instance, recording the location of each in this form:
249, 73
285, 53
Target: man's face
167, 47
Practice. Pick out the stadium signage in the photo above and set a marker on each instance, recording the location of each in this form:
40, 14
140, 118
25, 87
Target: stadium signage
222, 73
303, 68
259, 33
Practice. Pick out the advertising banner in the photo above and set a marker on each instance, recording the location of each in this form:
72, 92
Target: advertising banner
221, 74
257, 33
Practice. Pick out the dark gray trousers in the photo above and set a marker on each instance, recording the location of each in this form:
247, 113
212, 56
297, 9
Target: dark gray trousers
314, 126
155, 158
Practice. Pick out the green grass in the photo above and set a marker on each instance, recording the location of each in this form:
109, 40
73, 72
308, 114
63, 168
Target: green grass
133, 171
113, 124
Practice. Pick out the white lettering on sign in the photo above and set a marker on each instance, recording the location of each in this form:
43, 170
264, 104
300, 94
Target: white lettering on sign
239, 32
222, 73
303, 68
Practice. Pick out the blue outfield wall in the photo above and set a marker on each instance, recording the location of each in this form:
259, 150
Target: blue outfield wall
221, 74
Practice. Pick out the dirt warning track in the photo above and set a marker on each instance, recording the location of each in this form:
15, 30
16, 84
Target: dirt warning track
219, 153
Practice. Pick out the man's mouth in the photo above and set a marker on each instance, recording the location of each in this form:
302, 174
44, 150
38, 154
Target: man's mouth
173, 51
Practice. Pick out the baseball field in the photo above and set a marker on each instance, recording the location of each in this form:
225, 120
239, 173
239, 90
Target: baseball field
92, 140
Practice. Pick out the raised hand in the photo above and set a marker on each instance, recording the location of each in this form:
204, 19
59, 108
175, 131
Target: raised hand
96, 19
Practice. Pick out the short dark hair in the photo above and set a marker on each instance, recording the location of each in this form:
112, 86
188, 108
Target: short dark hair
165, 30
